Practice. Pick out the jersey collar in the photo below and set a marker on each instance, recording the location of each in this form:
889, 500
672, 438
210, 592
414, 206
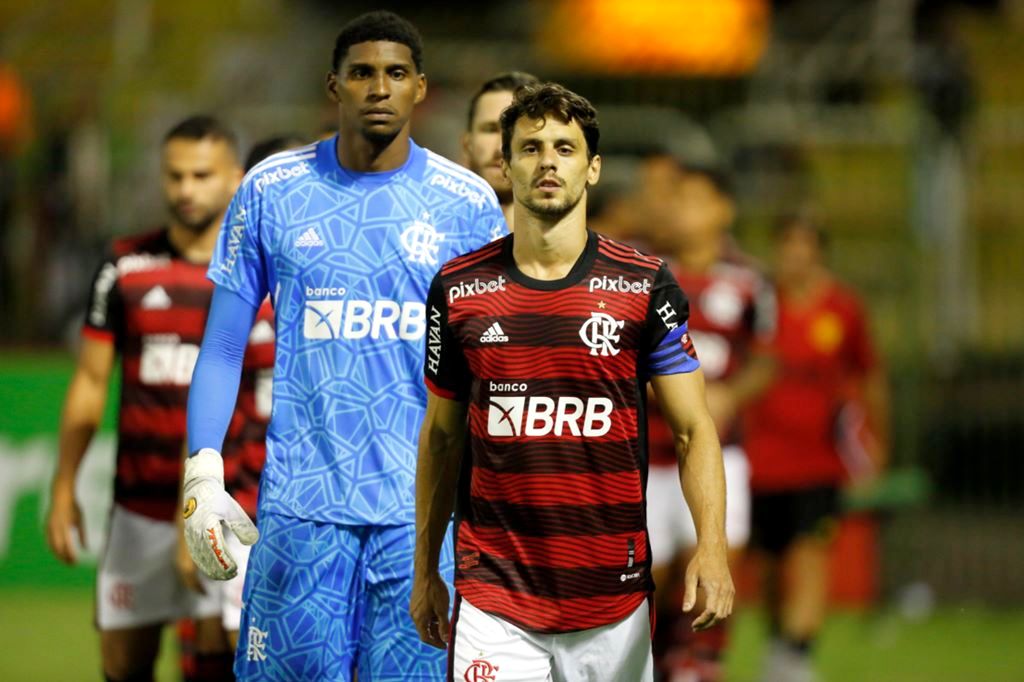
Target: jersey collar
579, 270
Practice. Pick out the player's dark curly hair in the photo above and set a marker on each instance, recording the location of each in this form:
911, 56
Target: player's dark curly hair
509, 81
379, 25
554, 100
201, 127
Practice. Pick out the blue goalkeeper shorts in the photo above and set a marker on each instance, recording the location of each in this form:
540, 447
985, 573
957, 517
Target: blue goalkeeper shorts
321, 600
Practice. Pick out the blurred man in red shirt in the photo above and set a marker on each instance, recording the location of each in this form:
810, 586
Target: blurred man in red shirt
732, 320
827, 369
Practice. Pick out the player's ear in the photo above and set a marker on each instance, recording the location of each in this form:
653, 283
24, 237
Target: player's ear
421, 87
594, 170
464, 145
332, 85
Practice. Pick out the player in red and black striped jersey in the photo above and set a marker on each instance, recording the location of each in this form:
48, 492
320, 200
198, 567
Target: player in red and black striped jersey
539, 349
148, 304
732, 321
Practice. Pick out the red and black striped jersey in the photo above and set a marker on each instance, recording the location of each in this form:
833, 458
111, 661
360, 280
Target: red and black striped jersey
551, 519
732, 315
152, 303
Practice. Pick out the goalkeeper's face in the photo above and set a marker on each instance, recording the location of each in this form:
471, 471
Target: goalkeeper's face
199, 178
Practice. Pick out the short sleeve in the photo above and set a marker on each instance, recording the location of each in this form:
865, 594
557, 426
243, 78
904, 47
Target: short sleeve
104, 314
238, 262
669, 349
444, 369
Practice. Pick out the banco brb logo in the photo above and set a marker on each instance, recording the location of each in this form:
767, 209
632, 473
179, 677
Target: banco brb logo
511, 416
422, 241
600, 333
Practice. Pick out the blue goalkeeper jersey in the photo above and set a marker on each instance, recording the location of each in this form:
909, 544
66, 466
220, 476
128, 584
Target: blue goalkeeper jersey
348, 259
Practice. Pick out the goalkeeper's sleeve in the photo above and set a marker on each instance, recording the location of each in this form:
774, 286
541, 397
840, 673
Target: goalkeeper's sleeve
214, 390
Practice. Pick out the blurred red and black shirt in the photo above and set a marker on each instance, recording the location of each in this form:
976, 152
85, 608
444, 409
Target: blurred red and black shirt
152, 304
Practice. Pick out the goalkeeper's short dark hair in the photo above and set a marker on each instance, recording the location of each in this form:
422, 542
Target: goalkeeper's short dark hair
380, 25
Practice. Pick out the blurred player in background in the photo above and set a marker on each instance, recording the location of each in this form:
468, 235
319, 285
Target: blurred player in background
827, 367
345, 235
245, 444
148, 304
540, 347
732, 318
481, 143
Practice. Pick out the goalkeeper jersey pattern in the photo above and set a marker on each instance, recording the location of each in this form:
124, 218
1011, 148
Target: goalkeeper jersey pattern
551, 532
152, 303
347, 259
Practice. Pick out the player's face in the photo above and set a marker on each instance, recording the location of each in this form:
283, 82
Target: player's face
797, 252
704, 213
548, 166
376, 87
482, 143
199, 178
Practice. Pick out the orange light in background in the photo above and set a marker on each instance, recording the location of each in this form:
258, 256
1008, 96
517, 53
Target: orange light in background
691, 37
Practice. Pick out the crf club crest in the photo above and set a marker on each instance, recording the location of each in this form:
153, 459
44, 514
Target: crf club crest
481, 671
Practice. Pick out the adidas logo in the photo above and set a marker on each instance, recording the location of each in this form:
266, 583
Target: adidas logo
309, 238
494, 334
156, 299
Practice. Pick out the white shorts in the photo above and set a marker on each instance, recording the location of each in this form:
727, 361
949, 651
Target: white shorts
137, 582
486, 647
669, 523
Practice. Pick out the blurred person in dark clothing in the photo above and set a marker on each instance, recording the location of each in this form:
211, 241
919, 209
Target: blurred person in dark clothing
827, 367
148, 304
481, 143
732, 319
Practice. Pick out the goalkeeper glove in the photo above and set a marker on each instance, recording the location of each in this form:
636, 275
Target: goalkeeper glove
207, 508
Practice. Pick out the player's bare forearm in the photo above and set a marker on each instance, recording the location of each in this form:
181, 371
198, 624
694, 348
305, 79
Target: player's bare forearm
83, 408
702, 475
683, 403
442, 439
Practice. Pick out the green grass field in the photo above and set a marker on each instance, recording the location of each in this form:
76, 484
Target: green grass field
46, 636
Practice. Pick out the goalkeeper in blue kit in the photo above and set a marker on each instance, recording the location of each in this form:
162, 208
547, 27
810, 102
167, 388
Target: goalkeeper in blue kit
345, 235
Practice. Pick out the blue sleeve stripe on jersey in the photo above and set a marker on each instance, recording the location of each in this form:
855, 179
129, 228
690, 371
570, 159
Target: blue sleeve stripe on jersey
670, 357
445, 166
670, 343
683, 364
